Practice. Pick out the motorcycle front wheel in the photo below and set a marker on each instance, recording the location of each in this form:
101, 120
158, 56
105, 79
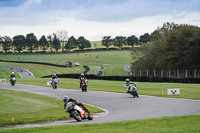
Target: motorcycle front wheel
90, 116
76, 115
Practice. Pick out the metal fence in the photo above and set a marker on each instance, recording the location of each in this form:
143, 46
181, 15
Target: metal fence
166, 73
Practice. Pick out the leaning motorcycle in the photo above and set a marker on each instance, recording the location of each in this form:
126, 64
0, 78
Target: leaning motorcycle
13, 81
133, 91
77, 112
84, 85
54, 83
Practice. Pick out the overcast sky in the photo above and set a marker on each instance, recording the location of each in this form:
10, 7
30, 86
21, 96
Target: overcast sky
94, 19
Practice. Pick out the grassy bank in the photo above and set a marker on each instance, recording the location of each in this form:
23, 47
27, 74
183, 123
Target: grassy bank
183, 124
5, 74
24, 107
111, 61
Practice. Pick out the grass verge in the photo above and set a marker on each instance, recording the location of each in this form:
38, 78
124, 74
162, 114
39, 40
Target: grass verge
181, 124
31, 108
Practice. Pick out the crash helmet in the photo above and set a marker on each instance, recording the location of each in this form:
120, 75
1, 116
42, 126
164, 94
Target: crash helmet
82, 74
65, 98
127, 80
13, 73
54, 74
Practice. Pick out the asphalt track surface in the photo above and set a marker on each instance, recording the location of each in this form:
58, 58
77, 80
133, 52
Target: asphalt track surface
117, 106
24, 73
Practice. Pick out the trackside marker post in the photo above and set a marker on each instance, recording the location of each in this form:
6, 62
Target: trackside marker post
13, 119
161, 92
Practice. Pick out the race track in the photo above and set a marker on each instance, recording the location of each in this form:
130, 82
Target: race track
118, 106
24, 73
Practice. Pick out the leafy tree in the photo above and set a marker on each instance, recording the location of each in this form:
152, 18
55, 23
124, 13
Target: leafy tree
1, 40
50, 41
172, 47
6, 42
19, 42
119, 41
83, 43
107, 41
31, 42
71, 43
56, 43
63, 37
132, 40
182, 48
43, 43
144, 38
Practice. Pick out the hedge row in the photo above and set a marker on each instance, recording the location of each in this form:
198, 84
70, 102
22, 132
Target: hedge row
136, 79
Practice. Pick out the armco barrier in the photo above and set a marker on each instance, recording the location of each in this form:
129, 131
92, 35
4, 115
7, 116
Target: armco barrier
136, 79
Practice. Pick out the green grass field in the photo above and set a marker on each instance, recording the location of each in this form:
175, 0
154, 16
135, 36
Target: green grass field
24, 107
112, 62
182, 124
24, 113
39, 70
5, 74
190, 91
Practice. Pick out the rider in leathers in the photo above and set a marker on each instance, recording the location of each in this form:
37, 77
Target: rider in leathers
12, 75
66, 99
82, 78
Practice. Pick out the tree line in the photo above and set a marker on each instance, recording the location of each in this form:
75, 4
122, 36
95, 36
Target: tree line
171, 47
61, 41
52, 42
120, 41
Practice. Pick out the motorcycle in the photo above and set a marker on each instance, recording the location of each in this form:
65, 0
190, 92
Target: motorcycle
84, 85
77, 112
132, 90
13, 81
54, 83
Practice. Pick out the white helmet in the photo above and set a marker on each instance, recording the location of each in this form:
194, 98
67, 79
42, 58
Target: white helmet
54, 74
13, 73
65, 98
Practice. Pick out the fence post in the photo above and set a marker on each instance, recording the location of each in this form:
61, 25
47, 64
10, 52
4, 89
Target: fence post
169, 73
195, 73
186, 74
161, 73
147, 73
154, 73
177, 73
140, 73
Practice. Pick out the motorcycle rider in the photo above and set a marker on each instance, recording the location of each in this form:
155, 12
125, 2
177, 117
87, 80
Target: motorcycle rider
66, 99
54, 76
128, 84
12, 75
82, 78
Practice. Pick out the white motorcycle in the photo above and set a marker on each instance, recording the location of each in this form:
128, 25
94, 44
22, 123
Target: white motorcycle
54, 83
